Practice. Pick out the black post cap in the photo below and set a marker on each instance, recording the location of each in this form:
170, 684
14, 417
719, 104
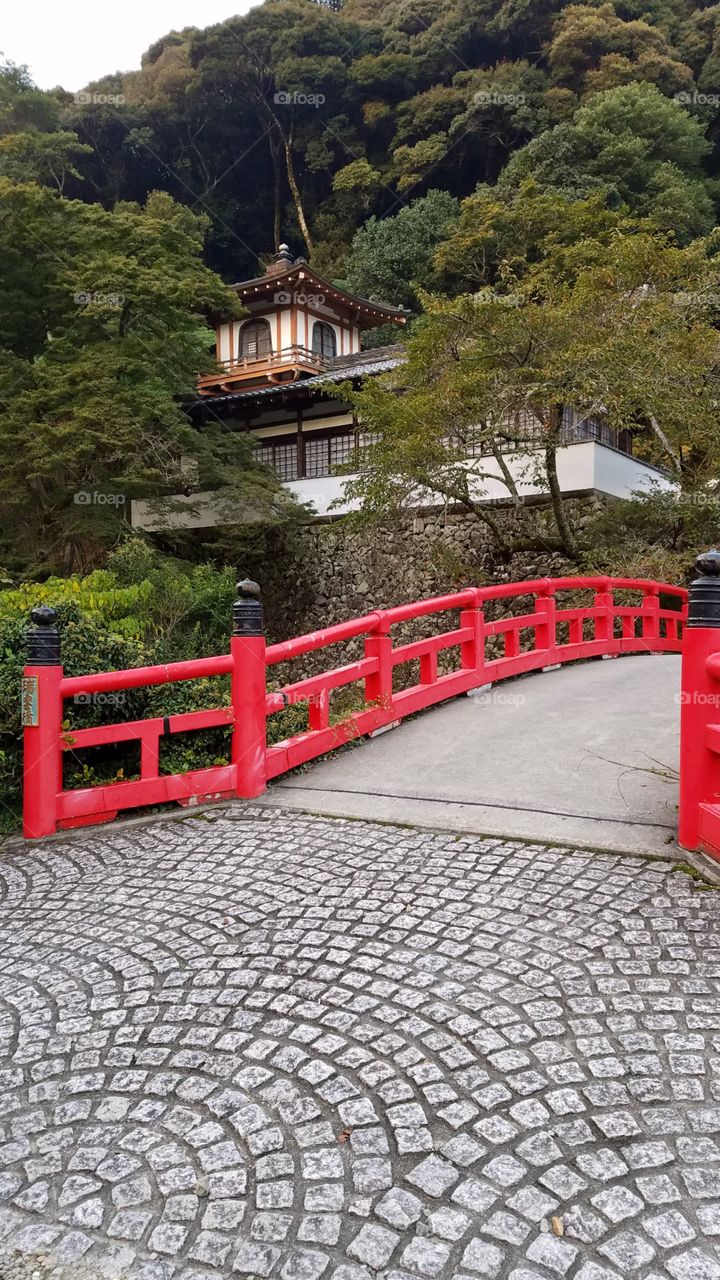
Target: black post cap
248, 610
43, 641
704, 598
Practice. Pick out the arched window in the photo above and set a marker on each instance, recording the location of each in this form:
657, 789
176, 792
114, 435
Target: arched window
255, 339
323, 339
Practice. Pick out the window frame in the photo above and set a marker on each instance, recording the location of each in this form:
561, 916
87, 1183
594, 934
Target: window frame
264, 327
324, 329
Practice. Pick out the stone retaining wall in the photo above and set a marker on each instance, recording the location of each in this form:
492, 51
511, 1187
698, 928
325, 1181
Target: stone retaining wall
333, 571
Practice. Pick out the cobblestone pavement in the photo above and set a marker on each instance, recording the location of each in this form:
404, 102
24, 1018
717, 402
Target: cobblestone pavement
261, 1044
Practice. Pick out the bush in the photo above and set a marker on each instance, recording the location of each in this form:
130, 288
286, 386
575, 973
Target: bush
656, 534
143, 609
87, 645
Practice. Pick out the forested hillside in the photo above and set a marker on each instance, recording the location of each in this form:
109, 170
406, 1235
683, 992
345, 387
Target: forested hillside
537, 182
297, 121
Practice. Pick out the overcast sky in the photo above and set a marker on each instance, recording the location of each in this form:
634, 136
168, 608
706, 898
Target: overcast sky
76, 41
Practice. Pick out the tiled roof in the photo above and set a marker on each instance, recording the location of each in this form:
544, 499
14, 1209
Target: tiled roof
360, 365
300, 269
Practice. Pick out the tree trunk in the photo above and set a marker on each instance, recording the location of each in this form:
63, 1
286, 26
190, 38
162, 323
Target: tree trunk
277, 192
507, 475
673, 453
68, 558
297, 198
563, 525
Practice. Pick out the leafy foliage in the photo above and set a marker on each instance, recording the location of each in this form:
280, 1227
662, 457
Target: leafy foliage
327, 114
141, 610
102, 332
594, 311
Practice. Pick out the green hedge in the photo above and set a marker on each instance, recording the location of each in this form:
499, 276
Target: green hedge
143, 609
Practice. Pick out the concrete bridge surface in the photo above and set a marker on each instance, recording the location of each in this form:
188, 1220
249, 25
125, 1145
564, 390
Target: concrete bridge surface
584, 755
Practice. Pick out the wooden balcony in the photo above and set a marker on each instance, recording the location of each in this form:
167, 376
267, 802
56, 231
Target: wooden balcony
263, 369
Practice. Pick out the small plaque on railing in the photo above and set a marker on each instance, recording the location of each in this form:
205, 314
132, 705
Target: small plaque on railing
29, 702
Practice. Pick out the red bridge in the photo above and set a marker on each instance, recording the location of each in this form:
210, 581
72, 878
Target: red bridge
535, 631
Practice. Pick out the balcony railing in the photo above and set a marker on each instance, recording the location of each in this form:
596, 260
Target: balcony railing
240, 368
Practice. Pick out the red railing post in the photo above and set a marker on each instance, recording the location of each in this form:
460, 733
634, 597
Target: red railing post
605, 624
651, 615
472, 652
699, 700
379, 684
249, 692
545, 627
42, 716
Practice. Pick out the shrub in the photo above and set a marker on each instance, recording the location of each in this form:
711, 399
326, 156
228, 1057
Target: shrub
143, 609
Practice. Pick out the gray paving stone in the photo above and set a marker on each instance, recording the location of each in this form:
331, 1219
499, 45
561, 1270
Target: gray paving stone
426, 1257
669, 1229
255, 1259
448, 1224
533, 1203
373, 1245
627, 1250
304, 1264
401, 1056
618, 1203
399, 1208
695, 1264
433, 1176
555, 1254
323, 1228
483, 1258
505, 1226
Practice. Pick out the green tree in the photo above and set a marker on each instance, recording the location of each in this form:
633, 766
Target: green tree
103, 333
619, 325
23, 107
388, 256
493, 235
42, 157
288, 60
644, 150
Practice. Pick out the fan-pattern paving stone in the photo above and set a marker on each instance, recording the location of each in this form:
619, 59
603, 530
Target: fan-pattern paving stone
259, 1044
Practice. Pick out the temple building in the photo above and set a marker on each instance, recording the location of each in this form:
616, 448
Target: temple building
302, 332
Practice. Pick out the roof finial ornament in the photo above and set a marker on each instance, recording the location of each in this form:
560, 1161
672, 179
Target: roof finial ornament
283, 255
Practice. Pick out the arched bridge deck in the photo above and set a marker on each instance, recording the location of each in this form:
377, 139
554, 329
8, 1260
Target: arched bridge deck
586, 755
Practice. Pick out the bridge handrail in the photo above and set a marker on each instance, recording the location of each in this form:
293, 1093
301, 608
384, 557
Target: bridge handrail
471, 596
616, 629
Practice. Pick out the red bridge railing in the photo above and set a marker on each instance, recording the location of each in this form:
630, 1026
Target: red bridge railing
700, 713
484, 652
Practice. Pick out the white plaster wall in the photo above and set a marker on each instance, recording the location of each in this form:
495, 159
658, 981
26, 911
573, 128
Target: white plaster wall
617, 475
200, 511
582, 468
303, 331
225, 352
285, 329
